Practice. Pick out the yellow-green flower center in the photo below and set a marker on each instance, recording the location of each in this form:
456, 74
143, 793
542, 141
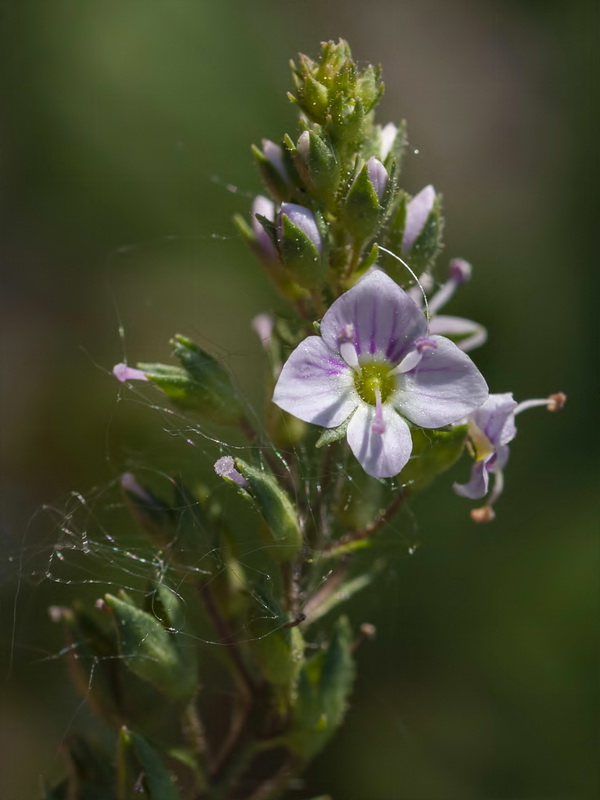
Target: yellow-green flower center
374, 376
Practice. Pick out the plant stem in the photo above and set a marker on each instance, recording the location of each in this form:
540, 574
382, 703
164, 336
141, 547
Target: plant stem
384, 516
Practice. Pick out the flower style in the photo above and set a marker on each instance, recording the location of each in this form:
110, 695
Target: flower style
490, 428
374, 367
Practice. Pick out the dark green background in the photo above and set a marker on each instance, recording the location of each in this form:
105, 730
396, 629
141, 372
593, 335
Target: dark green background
124, 124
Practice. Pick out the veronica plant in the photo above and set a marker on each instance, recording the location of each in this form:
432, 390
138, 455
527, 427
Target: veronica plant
391, 399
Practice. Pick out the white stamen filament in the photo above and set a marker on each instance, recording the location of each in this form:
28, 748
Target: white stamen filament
378, 425
409, 362
553, 403
349, 354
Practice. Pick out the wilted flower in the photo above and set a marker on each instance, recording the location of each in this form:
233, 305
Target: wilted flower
490, 428
124, 373
376, 366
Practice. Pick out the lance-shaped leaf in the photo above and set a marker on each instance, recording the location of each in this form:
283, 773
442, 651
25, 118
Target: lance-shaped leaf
151, 653
91, 774
277, 647
201, 384
433, 453
282, 534
324, 686
140, 769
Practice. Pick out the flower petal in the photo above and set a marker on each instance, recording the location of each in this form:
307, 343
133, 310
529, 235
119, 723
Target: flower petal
477, 485
472, 332
496, 418
383, 318
444, 387
417, 213
382, 455
316, 385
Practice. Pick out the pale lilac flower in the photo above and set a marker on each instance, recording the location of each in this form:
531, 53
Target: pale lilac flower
388, 137
303, 218
417, 211
225, 468
472, 333
375, 365
378, 176
490, 429
124, 373
266, 208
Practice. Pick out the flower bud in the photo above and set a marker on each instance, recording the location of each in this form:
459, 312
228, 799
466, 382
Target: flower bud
422, 235
272, 169
282, 531
388, 136
318, 166
300, 245
201, 384
265, 208
363, 206
417, 213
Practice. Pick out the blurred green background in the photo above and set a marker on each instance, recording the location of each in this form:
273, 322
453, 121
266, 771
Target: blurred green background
127, 127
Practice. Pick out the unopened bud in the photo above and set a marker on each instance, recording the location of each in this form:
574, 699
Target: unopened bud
362, 209
318, 166
272, 169
417, 214
300, 245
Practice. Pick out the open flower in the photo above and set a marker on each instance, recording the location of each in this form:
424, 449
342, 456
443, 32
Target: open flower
490, 428
376, 366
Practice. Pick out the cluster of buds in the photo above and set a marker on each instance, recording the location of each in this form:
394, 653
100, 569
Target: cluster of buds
334, 191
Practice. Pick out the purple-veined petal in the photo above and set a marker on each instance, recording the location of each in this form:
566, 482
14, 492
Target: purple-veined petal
444, 387
477, 485
384, 320
381, 455
474, 334
417, 211
496, 418
316, 385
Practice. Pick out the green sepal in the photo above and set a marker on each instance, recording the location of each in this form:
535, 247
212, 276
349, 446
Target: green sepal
393, 241
272, 179
201, 384
300, 256
140, 770
330, 435
347, 117
362, 210
428, 243
152, 653
370, 87
283, 535
433, 453
319, 169
313, 99
324, 686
